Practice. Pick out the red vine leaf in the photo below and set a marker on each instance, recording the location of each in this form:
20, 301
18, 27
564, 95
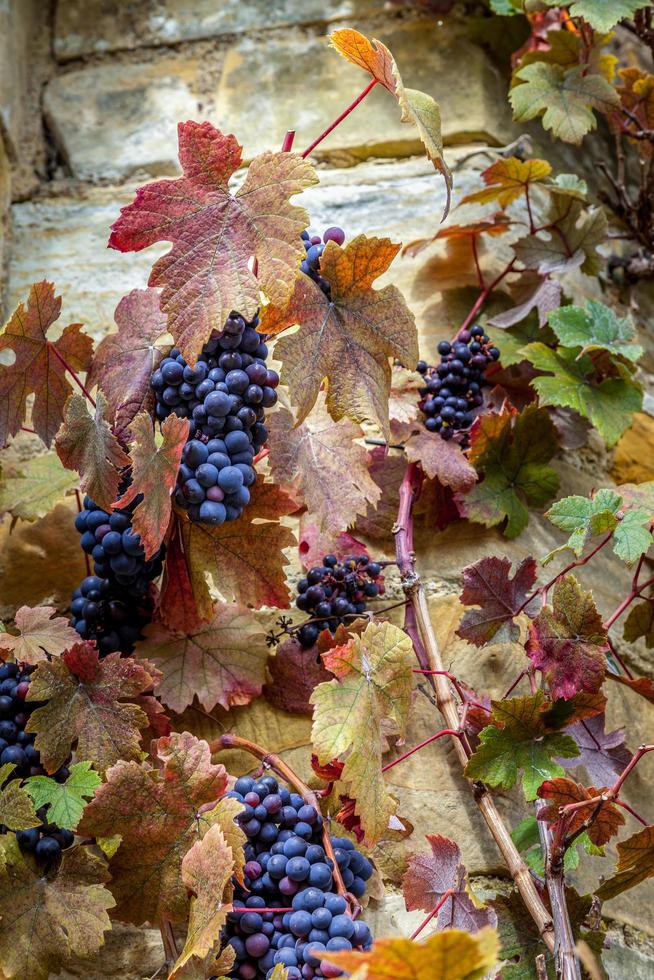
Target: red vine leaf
85, 705
635, 864
50, 917
124, 361
348, 338
37, 367
567, 641
86, 444
207, 274
387, 470
40, 633
441, 460
156, 811
223, 662
323, 459
185, 602
154, 475
313, 545
604, 818
603, 754
429, 876
294, 673
487, 584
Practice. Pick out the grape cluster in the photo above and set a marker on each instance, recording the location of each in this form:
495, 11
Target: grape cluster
112, 606
335, 590
225, 396
453, 390
315, 246
286, 866
17, 748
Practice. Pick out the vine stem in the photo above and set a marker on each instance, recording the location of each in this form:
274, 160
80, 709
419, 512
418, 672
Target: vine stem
273, 761
345, 113
168, 940
66, 366
567, 964
445, 702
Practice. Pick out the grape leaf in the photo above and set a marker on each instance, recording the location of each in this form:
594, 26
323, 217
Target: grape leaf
206, 871
222, 663
568, 241
85, 703
606, 817
16, 807
568, 642
313, 544
347, 338
184, 601
85, 443
65, 801
125, 360
40, 633
609, 405
602, 15
38, 366
429, 876
372, 684
387, 470
507, 179
36, 486
294, 673
564, 97
206, 274
47, 918
602, 754
635, 864
512, 451
417, 107
154, 475
244, 558
450, 955
330, 468
541, 293
487, 584
519, 739
639, 622
604, 512
595, 328
156, 811
441, 460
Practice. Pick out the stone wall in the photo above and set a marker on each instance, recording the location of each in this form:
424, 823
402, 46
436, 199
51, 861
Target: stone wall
90, 95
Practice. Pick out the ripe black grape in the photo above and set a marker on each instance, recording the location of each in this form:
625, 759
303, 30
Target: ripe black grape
335, 591
315, 246
452, 392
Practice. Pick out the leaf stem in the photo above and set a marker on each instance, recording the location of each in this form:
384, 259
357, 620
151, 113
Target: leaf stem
432, 738
346, 112
66, 366
168, 940
436, 909
287, 144
577, 563
446, 704
483, 296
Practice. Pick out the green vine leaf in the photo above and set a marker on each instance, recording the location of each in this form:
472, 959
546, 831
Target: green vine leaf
602, 15
595, 328
65, 801
35, 487
605, 512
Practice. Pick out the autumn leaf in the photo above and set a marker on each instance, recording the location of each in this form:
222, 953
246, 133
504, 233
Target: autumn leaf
16, 807
85, 704
602, 15
512, 451
487, 584
372, 684
429, 876
387, 470
347, 338
154, 475
417, 107
595, 328
530, 291
40, 632
313, 544
569, 241
639, 622
635, 864
441, 460
207, 274
38, 366
206, 871
450, 955
568, 642
49, 918
35, 487
520, 739
155, 809
65, 800
222, 662
294, 673
507, 179
85, 443
125, 360
185, 602
602, 754
330, 468
244, 558
604, 818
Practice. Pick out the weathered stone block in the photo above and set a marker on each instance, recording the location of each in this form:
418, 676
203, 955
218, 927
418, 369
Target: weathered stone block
18, 18
95, 26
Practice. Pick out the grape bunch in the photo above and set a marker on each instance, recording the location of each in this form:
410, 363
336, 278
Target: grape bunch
334, 591
315, 246
453, 390
17, 748
112, 606
286, 867
225, 396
